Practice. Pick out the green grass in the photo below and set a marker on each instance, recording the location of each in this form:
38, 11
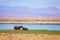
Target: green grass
31, 32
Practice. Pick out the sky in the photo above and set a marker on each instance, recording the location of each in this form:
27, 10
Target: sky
31, 3
30, 7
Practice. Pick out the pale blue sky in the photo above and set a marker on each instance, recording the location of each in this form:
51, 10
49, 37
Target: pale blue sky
30, 7
31, 3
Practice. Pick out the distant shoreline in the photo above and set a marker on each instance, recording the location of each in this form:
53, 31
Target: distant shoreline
49, 23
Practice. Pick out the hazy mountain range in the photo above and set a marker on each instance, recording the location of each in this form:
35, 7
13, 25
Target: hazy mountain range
25, 11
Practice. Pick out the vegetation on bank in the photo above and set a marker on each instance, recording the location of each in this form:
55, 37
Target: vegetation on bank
31, 32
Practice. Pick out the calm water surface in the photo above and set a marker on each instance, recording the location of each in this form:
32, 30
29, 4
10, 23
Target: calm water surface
30, 26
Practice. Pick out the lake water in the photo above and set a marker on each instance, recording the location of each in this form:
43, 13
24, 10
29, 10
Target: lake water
30, 26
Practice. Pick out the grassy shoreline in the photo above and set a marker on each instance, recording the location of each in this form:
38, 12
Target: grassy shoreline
29, 35
51, 32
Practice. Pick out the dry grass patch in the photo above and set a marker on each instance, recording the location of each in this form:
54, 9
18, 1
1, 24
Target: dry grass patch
7, 36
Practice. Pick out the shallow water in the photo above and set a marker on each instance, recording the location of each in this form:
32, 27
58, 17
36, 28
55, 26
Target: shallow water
30, 26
